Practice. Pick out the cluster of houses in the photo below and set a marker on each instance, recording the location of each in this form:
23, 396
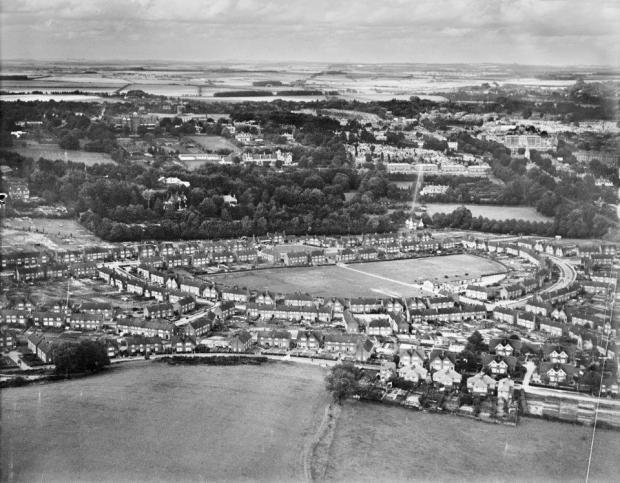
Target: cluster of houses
524, 246
558, 365
25, 266
85, 316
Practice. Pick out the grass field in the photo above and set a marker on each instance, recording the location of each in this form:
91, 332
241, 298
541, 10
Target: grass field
26, 233
213, 143
492, 212
53, 152
394, 278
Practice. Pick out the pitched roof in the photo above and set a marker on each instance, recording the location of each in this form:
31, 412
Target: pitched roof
438, 353
510, 361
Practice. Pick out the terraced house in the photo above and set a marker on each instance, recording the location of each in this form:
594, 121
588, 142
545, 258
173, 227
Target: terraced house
85, 321
49, 319
14, 317
159, 311
365, 305
148, 328
299, 300
275, 338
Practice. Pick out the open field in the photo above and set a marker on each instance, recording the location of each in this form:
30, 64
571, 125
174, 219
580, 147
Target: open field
53, 152
154, 422
431, 447
213, 143
393, 278
26, 233
493, 212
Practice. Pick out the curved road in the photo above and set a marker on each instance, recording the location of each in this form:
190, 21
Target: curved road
567, 277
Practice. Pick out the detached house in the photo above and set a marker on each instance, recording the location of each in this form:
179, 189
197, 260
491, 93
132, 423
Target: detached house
447, 377
499, 365
558, 354
505, 347
556, 374
481, 384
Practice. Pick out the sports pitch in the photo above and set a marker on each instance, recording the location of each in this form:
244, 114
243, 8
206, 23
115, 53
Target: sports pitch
398, 278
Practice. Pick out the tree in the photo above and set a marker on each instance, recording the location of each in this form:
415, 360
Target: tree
475, 343
69, 142
343, 381
84, 356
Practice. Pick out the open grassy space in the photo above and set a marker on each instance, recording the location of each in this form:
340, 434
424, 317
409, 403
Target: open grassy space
53, 151
393, 278
155, 422
431, 447
28, 233
213, 143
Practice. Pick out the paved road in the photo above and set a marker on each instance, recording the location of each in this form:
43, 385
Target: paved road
568, 275
190, 318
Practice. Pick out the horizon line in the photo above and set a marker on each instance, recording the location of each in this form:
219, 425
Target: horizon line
259, 62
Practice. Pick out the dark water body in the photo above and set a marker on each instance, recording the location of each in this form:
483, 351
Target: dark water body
155, 422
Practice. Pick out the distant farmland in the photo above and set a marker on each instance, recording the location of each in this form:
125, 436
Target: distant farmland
391, 278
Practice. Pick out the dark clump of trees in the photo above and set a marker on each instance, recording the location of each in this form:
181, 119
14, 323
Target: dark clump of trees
126, 202
76, 358
583, 222
343, 381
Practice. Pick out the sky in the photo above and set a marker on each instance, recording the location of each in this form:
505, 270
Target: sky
535, 32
